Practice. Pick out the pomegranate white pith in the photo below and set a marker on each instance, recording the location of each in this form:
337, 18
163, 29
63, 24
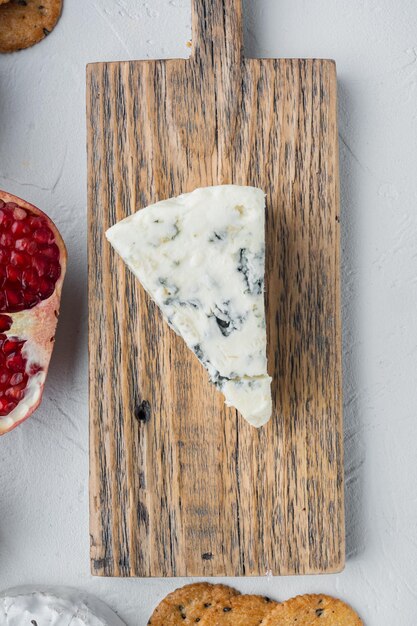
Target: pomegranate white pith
32, 270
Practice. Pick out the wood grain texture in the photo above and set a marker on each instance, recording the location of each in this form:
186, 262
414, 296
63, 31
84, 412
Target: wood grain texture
179, 484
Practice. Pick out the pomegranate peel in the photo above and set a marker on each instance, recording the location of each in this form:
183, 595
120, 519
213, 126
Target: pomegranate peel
32, 268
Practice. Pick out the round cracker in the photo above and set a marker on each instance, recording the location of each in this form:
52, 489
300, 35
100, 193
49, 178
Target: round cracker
312, 610
239, 611
188, 604
25, 22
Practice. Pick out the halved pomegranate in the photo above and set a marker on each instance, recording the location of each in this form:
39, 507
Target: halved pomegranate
32, 267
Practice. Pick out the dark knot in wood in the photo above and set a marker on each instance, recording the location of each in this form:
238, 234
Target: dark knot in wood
143, 412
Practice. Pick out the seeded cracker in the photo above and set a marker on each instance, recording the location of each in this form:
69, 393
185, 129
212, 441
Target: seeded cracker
189, 604
312, 610
239, 611
25, 22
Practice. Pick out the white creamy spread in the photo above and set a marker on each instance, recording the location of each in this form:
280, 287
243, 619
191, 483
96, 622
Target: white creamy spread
201, 257
27, 606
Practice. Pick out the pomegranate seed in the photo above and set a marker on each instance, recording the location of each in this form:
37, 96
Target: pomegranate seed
5, 219
4, 379
23, 384
14, 394
15, 362
51, 252
4, 407
54, 271
20, 259
16, 379
20, 229
21, 244
32, 247
13, 298
6, 240
5, 323
9, 346
30, 279
30, 299
12, 345
19, 213
46, 287
8, 407
43, 235
13, 273
40, 264
4, 256
36, 222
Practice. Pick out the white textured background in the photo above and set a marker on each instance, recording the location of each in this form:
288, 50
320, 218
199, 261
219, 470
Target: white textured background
43, 464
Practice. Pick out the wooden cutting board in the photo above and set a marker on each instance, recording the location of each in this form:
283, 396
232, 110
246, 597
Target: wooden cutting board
179, 484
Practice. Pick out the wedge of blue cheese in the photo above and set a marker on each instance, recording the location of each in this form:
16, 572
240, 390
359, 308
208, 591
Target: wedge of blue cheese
201, 258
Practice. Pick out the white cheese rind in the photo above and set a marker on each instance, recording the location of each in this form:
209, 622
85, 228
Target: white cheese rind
201, 257
54, 607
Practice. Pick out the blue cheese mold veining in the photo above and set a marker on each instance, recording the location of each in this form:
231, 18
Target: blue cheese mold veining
201, 258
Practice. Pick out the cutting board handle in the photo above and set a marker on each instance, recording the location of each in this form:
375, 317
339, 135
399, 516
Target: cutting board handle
217, 30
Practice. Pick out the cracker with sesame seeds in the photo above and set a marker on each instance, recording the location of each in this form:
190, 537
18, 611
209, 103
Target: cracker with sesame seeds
312, 610
25, 22
188, 604
246, 610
